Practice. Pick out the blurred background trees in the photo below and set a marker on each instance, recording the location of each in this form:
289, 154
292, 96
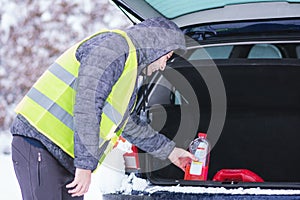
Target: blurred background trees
34, 32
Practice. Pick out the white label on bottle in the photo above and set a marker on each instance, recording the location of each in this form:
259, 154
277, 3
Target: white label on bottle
130, 162
196, 168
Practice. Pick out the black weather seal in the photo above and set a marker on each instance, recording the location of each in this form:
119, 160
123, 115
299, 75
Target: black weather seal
124, 7
123, 11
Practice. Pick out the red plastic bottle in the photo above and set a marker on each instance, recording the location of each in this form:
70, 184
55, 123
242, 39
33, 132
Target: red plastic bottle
198, 170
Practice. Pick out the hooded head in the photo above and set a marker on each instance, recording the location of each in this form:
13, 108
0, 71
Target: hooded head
154, 38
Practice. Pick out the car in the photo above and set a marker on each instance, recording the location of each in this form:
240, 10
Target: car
238, 83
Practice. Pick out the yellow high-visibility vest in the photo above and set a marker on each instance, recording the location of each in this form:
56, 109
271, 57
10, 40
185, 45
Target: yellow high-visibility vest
48, 106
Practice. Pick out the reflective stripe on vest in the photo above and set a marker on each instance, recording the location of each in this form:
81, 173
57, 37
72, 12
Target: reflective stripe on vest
48, 105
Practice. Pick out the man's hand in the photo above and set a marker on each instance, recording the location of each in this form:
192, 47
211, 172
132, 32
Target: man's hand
80, 184
181, 158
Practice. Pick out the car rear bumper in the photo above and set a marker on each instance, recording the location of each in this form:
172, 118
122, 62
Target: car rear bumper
185, 196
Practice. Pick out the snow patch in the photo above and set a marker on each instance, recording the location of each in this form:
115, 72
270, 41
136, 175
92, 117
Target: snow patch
5, 141
219, 190
9, 187
133, 183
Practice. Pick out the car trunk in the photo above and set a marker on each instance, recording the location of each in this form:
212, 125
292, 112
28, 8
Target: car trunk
261, 127
251, 115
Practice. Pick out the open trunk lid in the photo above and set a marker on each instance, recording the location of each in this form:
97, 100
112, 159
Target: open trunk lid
193, 12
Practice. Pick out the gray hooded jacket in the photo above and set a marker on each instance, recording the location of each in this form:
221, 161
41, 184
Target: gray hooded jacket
102, 59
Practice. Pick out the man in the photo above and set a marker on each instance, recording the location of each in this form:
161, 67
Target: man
56, 143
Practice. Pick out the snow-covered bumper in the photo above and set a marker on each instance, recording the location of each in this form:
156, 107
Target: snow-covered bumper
137, 188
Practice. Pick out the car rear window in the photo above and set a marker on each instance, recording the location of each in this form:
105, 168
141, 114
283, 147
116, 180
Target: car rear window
247, 51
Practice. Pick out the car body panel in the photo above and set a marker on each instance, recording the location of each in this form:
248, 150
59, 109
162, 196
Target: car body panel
218, 11
171, 9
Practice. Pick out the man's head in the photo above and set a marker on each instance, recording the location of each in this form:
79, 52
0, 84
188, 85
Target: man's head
155, 40
159, 64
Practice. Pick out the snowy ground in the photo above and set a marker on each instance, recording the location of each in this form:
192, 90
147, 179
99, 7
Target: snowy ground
9, 188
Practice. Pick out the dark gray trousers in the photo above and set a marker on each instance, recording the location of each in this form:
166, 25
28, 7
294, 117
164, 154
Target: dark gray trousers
39, 174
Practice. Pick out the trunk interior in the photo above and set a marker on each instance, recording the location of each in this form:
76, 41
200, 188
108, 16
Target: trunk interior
261, 131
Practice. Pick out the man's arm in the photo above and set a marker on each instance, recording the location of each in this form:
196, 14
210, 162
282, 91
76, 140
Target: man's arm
146, 138
156, 144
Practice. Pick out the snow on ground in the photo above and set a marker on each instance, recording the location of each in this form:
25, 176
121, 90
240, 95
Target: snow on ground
9, 188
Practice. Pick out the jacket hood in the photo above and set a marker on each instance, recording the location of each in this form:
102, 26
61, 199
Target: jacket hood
154, 38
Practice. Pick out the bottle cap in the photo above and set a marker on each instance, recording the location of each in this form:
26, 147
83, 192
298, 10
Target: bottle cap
202, 135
